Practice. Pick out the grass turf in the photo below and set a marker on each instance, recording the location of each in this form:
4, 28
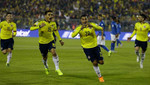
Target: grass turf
26, 67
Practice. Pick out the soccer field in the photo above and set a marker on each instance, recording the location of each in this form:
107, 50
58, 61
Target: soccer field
26, 67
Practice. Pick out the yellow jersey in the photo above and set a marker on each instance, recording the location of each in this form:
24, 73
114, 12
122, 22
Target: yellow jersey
87, 35
141, 30
46, 32
7, 29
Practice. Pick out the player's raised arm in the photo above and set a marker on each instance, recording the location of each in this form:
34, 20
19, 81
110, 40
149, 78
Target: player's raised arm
76, 31
96, 26
37, 25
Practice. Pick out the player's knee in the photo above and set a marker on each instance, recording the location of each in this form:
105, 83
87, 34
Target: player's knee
101, 62
95, 63
9, 50
54, 54
4, 51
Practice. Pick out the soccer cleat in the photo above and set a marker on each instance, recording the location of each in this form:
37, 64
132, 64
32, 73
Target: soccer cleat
141, 64
138, 59
109, 53
7, 64
46, 71
101, 79
59, 72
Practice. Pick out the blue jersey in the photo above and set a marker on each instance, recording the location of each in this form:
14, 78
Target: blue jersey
114, 28
102, 24
119, 28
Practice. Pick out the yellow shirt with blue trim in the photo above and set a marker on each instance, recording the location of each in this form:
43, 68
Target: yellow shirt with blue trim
46, 32
87, 35
7, 29
141, 30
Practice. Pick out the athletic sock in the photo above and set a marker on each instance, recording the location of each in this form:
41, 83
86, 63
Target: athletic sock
118, 42
112, 46
45, 63
97, 70
56, 62
9, 57
104, 47
137, 53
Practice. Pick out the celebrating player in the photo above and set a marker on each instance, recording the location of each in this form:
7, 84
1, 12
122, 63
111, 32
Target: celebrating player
46, 40
101, 35
8, 31
141, 30
89, 43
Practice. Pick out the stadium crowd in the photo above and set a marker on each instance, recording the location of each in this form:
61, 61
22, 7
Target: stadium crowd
28, 11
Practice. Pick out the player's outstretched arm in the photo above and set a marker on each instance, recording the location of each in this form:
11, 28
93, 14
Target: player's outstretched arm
129, 38
76, 31
59, 38
37, 26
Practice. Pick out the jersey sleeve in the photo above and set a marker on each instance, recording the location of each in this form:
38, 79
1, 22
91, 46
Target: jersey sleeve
95, 26
56, 31
15, 29
134, 32
76, 31
35, 26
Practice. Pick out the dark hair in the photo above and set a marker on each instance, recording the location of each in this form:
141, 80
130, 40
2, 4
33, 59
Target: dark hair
100, 15
84, 15
48, 11
8, 13
113, 17
144, 16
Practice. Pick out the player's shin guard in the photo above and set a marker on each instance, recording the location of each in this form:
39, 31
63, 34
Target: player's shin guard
45, 63
56, 62
137, 53
9, 57
142, 57
97, 70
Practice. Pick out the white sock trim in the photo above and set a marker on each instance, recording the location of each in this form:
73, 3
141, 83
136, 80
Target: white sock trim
97, 70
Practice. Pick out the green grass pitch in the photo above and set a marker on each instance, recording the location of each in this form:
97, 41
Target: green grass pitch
26, 67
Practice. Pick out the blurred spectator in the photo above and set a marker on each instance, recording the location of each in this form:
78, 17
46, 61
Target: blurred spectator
28, 11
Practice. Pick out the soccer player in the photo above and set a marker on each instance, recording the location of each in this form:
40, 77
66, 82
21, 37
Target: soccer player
114, 33
119, 31
141, 30
46, 40
8, 31
101, 35
89, 43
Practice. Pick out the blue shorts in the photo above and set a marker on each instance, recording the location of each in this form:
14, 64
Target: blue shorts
141, 44
8, 43
44, 48
93, 53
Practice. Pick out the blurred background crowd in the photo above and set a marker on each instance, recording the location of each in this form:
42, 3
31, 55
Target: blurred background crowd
67, 12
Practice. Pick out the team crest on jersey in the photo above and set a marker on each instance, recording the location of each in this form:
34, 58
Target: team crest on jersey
52, 25
11, 25
144, 26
